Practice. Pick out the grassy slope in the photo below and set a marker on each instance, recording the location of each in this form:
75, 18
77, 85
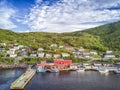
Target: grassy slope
99, 38
109, 34
36, 39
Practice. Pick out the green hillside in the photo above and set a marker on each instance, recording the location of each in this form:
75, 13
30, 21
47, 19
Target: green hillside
109, 34
42, 39
100, 38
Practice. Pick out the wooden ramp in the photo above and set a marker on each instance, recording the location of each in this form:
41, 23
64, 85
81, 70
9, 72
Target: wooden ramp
23, 80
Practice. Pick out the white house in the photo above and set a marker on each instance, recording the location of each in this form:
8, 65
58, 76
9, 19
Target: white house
93, 53
61, 46
109, 52
16, 47
81, 49
48, 55
2, 44
23, 49
109, 56
41, 55
86, 54
40, 49
65, 55
53, 45
33, 55
12, 55
21, 46
11, 51
56, 55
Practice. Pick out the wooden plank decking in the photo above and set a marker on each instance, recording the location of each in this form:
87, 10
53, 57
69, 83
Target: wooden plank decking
22, 81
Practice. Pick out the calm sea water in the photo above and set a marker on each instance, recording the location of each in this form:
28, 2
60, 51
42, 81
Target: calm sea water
8, 76
89, 80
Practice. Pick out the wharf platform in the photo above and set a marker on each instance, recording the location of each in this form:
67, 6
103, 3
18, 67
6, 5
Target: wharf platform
23, 80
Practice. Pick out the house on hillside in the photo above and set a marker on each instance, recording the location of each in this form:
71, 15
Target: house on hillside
86, 54
40, 49
21, 46
2, 50
11, 51
109, 54
81, 49
48, 55
12, 55
65, 54
41, 55
56, 55
61, 47
10, 45
93, 53
76, 52
68, 47
33, 55
16, 47
29, 49
2, 44
24, 54
53, 45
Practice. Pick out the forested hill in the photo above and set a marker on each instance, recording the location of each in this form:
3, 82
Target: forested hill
109, 34
99, 38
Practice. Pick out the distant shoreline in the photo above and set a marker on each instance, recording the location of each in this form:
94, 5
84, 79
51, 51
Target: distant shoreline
12, 66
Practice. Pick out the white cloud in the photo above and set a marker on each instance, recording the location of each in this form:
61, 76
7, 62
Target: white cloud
71, 15
38, 1
6, 14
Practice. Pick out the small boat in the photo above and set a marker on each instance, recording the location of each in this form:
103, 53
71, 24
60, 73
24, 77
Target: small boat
54, 70
41, 69
117, 71
103, 70
81, 70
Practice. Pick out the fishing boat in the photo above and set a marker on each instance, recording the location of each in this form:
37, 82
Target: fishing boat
81, 70
41, 69
103, 70
54, 70
117, 71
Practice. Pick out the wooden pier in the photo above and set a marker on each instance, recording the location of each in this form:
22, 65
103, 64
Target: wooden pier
23, 80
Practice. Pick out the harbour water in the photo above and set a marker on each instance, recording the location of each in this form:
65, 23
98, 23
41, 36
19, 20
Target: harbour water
8, 76
89, 80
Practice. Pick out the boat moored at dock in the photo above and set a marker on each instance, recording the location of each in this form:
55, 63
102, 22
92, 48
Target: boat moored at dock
41, 69
81, 70
103, 70
54, 70
117, 71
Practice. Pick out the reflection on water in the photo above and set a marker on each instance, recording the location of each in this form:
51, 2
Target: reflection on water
88, 80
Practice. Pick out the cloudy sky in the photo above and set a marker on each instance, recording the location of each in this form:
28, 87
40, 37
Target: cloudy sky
57, 15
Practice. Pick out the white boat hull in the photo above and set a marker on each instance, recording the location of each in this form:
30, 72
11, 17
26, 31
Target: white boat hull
104, 71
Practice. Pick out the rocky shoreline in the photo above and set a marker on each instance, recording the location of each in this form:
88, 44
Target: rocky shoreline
12, 66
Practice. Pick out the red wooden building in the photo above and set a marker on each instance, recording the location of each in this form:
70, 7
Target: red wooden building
61, 64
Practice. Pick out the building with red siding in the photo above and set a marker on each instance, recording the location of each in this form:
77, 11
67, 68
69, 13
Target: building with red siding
61, 64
